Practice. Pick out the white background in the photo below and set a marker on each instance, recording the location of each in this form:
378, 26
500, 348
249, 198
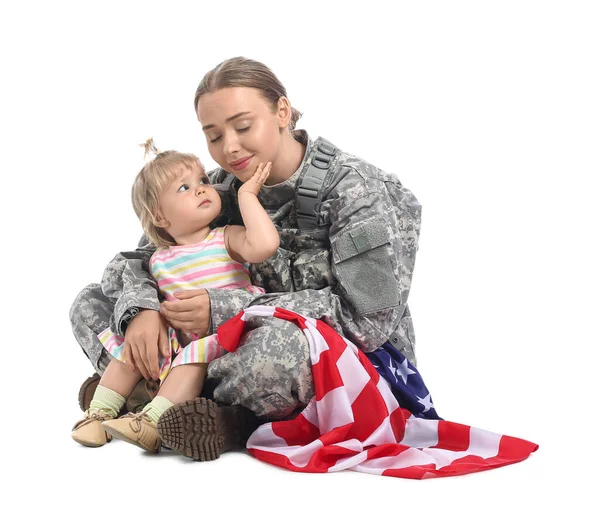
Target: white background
488, 111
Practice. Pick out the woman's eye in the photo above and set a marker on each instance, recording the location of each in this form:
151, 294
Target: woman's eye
215, 139
242, 130
182, 188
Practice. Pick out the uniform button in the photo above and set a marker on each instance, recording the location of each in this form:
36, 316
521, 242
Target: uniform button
395, 339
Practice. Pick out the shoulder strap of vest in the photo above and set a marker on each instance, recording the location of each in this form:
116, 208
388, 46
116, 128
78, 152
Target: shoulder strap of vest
309, 192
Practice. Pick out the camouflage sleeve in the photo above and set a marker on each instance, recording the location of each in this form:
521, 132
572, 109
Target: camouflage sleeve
227, 303
375, 224
127, 280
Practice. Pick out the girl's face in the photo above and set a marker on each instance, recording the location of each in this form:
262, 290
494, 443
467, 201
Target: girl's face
241, 129
188, 205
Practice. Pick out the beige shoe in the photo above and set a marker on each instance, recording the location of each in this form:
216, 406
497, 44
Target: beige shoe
89, 430
137, 429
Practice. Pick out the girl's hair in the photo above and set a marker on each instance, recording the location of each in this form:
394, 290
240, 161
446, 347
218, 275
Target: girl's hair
151, 182
242, 72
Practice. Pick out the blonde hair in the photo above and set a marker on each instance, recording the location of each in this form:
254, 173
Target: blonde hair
240, 72
150, 183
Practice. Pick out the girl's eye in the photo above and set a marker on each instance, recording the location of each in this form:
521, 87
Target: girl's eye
182, 188
242, 130
215, 139
204, 180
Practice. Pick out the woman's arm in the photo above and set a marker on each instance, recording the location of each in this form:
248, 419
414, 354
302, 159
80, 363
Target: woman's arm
374, 233
128, 281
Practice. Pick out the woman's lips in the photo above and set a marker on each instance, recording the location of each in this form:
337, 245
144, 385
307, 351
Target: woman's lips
241, 163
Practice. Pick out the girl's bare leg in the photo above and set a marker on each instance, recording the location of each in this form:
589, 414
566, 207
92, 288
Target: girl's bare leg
184, 382
117, 384
120, 378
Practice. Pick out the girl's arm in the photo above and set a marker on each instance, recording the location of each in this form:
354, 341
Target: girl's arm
258, 240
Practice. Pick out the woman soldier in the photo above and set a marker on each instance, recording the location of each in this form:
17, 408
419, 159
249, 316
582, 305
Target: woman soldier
349, 234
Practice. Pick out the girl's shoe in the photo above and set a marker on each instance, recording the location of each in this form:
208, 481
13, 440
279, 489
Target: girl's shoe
137, 429
89, 430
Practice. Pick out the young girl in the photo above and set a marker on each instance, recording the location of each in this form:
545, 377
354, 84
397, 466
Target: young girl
176, 204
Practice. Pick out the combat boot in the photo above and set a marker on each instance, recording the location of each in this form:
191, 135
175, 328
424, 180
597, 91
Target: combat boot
202, 430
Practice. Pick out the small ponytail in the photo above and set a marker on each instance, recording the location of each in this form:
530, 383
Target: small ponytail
150, 148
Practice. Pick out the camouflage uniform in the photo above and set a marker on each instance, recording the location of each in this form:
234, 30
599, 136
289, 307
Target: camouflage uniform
354, 271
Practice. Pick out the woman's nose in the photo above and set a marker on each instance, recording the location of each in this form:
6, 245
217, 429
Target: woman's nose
231, 145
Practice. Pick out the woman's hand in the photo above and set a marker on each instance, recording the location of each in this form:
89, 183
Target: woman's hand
255, 182
191, 311
145, 335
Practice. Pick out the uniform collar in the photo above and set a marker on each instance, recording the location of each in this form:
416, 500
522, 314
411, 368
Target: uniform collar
278, 194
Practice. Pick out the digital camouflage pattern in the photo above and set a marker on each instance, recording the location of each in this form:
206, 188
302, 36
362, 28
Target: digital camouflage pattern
354, 272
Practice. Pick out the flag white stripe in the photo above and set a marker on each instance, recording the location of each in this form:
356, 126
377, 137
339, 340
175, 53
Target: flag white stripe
444, 457
334, 410
349, 462
316, 343
410, 457
354, 376
388, 397
258, 310
484, 443
420, 432
265, 439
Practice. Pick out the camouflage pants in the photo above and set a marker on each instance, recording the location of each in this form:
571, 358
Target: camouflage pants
269, 373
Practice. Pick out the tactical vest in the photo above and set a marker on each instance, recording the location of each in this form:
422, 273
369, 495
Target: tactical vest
310, 193
310, 187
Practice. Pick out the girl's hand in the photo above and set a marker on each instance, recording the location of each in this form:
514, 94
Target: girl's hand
145, 335
191, 311
255, 182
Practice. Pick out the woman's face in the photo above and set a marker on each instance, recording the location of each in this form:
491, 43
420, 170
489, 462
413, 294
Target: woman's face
241, 129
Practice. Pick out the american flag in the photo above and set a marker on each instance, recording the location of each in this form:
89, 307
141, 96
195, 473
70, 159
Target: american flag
360, 421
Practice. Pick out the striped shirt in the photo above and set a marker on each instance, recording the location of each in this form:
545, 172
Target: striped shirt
204, 265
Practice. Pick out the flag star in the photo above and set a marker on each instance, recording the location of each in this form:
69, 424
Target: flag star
426, 402
393, 369
404, 371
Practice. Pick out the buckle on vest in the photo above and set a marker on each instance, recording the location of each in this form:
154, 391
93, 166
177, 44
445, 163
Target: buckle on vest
321, 162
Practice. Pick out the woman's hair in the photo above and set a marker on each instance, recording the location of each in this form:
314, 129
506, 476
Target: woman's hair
151, 182
242, 72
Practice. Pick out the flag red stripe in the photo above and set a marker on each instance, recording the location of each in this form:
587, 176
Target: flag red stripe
453, 436
297, 431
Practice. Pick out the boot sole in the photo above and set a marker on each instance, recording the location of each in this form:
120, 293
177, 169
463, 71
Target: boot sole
202, 430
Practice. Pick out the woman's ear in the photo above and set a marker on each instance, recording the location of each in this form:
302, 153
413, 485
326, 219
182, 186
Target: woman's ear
284, 111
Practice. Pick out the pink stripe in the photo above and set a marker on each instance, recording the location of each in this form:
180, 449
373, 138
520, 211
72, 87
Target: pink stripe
172, 252
177, 251
198, 273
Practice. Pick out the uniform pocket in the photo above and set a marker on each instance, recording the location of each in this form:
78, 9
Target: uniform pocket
363, 268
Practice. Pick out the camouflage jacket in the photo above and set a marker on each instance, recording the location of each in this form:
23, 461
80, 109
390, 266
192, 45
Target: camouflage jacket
354, 270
